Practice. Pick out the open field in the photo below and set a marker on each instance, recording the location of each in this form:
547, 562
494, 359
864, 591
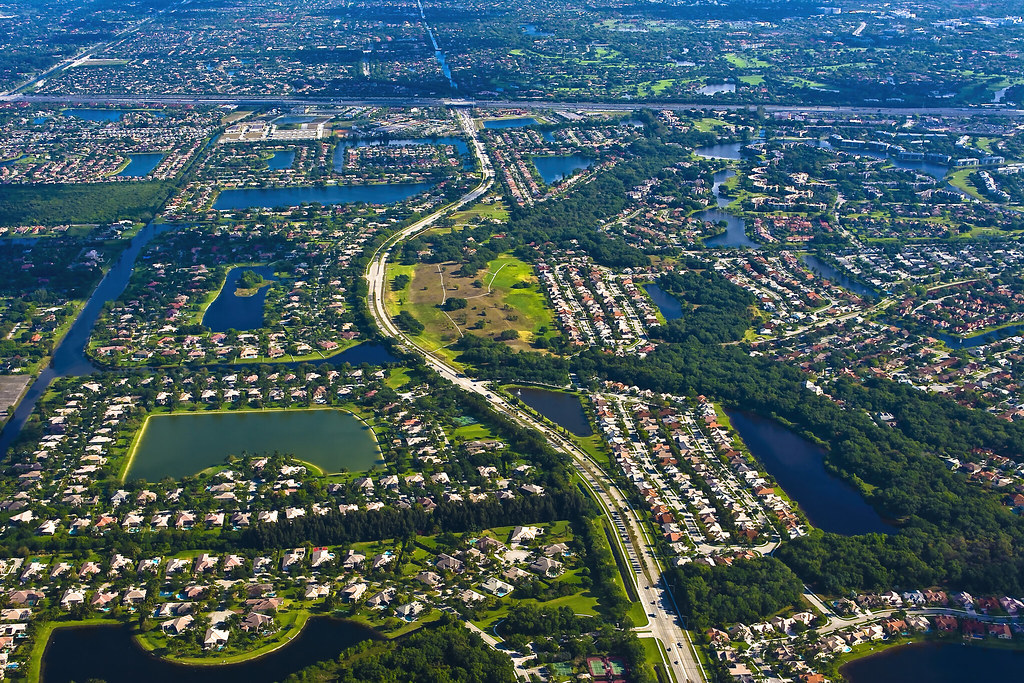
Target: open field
494, 305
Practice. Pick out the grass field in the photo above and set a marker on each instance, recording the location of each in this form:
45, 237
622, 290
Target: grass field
493, 304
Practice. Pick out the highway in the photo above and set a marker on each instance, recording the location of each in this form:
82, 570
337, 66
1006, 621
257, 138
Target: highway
664, 622
325, 101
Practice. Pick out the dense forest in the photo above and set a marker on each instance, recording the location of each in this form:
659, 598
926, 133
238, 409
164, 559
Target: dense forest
746, 591
81, 203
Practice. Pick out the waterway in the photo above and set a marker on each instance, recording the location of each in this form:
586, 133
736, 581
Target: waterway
141, 165
735, 234
281, 160
798, 466
109, 653
241, 313
555, 168
666, 303
273, 197
69, 357
184, 444
95, 114
565, 410
438, 54
522, 122
832, 274
937, 663
999, 334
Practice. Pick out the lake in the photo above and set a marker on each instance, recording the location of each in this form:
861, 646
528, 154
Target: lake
735, 234
565, 410
717, 88
273, 197
183, 444
141, 165
798, 466
666, 303
241, 313
95, 114
510, 123
936, 663
728, 150
281, 160
832, 274
109, 653
555, 168
532, 30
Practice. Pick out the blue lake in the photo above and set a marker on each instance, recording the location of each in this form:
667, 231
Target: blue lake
798, 466
96, 114
510, 123
958, 343
553, 169
109, 653
735, 234
565, 410
936, 663
230, 312
829, 272
728, 150
666, 303
281, 160
141, 165
532, 30
272, 197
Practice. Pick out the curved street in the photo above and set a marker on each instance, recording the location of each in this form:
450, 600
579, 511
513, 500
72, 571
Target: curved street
664, 622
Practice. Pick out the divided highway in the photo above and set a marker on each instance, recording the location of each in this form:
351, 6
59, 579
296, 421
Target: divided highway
664, 622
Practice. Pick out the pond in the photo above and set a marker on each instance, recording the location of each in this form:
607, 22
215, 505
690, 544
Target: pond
109, 653
510, 123
141, 165
555, 168
714, 89
832, 274
186, 443
273, 197
231, 312
735, 234
565, 410
726, 150
798, 466
281, 160
666, 303
95, 114
936, 663
532, 30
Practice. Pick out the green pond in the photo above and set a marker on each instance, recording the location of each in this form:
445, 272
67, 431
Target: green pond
184, 444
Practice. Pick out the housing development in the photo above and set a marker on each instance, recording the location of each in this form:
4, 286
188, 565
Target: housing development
400, 341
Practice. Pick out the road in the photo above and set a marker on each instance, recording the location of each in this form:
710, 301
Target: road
664, 620
292, 101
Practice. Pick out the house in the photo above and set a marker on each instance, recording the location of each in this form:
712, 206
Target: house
945, 623
177, 626
446, 562
383, 598
429, 579
522, 534
497, 587
320, 556
353, 592
215, 638
254, 621
546, 566
410, 612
